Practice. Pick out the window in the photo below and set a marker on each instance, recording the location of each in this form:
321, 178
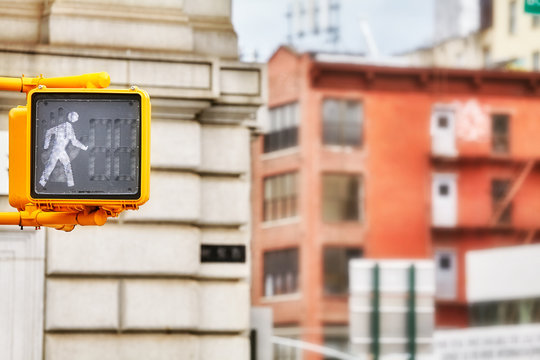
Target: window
511, 312
500, 134
486, 14
341, 197
336, 342
535, 21
445, 274
499, 189
536, 60
342, 122
316, 17
486, 54
284, 351
336, 269
283, 132
443, 189
442, 121
280, 272
512, 17
280, 196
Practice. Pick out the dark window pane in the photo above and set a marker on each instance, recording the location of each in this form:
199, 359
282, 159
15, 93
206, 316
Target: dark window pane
536, 20
445, 262
336, 268
499, 189
283, 131
486, 14
280, 272
443, 189
512, 17
500, 133
338, 343
443, 122
342, 122
341, 199
280, 196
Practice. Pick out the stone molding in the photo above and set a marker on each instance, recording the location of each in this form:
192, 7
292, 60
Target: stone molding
187, 26
174, 77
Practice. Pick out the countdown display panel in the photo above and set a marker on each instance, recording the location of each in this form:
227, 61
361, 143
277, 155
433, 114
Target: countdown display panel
86, 146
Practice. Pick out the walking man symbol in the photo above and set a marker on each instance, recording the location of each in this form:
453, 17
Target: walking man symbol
63, 135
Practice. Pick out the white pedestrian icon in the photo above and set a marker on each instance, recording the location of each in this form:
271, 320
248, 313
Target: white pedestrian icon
63, 135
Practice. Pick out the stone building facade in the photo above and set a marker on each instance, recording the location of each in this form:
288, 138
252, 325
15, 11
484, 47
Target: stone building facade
136, 288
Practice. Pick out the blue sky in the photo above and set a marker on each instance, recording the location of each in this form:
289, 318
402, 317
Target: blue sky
396, 25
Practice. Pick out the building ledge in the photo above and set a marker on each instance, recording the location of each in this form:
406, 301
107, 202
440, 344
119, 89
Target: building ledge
280, 153
281, 222
480, 229
480, 159
281, 298
429, 80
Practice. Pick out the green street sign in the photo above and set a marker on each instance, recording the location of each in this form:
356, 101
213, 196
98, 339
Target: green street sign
532, 6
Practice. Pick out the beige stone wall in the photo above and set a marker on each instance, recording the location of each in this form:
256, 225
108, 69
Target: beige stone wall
461, 52
189, 26
135, 288
519, 46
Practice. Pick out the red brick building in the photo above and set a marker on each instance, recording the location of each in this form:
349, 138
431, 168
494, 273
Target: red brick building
386, 162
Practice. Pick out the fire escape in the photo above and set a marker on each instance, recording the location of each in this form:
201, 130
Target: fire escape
503, 192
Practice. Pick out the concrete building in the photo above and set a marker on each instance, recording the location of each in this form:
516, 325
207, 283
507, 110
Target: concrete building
385, 162
139, 287
505, 36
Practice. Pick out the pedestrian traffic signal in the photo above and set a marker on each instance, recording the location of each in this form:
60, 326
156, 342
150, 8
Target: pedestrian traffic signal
77, 148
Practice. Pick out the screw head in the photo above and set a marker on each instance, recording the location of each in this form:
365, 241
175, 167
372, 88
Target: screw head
132, 87
40, 87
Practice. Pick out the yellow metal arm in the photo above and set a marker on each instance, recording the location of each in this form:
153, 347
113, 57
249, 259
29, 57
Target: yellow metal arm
25, 84
34, 217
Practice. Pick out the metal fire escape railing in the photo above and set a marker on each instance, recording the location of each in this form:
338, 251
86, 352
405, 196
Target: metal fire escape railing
516, 185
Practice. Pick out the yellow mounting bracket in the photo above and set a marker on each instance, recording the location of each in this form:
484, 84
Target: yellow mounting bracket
35, 217
26, 84
32, 215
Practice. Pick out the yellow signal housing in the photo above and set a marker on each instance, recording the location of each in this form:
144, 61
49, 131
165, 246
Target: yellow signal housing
78, 153
103, 189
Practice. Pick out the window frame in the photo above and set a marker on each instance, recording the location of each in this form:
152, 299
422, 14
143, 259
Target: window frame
295, 252
499, 188
339, 123
496, 313
346, 249
486, 14
284, 206
512, 17
283, 129
498, 137
535, 21
359, 218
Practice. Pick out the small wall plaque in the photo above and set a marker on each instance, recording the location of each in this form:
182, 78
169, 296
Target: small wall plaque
223, 253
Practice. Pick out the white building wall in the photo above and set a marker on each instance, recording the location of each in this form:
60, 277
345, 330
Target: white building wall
22, 258
503, 274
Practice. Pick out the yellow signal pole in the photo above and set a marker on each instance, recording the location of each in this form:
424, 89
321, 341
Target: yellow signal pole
31, 215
